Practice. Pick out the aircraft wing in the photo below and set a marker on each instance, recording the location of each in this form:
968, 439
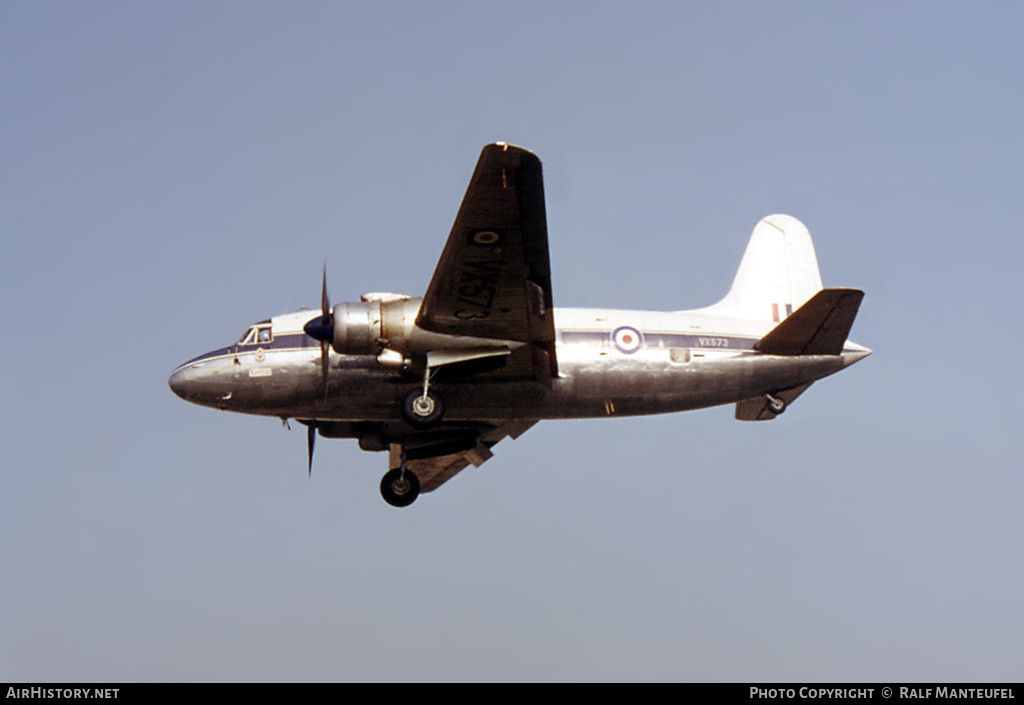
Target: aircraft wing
434, 472
494, 276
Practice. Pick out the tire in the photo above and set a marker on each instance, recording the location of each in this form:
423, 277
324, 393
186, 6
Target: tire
776, 405
400, 488
422, 412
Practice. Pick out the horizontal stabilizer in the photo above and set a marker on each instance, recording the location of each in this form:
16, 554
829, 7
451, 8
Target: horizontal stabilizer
819, 327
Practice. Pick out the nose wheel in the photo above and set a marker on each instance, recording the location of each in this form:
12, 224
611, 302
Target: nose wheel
400, 488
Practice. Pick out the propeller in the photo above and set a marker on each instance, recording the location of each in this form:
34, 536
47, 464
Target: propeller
322, 328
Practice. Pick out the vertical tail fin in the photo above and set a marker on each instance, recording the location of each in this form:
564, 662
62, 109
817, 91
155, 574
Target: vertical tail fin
778, 273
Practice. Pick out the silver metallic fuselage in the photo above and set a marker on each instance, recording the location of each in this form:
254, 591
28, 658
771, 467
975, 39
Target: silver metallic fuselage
610, 363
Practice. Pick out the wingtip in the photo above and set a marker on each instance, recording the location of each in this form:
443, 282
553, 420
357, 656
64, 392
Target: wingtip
508, 147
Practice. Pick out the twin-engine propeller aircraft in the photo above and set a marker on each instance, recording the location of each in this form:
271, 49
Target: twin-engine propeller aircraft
437, 381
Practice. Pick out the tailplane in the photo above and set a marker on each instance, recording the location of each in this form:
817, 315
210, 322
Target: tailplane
819, 327
778, 273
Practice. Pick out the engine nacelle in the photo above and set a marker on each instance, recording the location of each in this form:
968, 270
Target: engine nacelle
357, 328
367, 327
388, 325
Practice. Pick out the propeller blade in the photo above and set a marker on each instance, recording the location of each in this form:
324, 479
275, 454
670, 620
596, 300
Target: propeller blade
325, 298
310, 444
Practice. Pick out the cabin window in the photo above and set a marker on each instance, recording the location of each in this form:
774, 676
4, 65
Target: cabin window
263, 334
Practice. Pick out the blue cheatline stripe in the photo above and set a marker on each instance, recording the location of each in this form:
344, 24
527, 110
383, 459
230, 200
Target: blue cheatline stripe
208, 356
296, 341
662, 340
603, 338
292, 340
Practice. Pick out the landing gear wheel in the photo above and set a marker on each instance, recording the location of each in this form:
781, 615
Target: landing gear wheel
775, 405
400, 488
422, 411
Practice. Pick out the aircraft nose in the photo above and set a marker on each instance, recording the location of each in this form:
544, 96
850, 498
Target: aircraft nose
178, 383
204, 380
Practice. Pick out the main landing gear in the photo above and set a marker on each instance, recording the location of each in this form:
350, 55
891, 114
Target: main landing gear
422, 409
400, 487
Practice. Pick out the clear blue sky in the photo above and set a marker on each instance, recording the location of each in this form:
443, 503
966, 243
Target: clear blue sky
171, 172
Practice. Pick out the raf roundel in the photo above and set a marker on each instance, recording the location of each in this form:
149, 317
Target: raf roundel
484, 238
628, 340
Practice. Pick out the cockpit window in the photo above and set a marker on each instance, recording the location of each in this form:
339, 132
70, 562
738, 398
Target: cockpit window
257, 335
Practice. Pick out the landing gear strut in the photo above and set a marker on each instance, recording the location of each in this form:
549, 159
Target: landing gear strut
400, 487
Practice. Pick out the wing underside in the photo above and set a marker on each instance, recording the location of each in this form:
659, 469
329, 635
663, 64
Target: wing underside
434, 470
